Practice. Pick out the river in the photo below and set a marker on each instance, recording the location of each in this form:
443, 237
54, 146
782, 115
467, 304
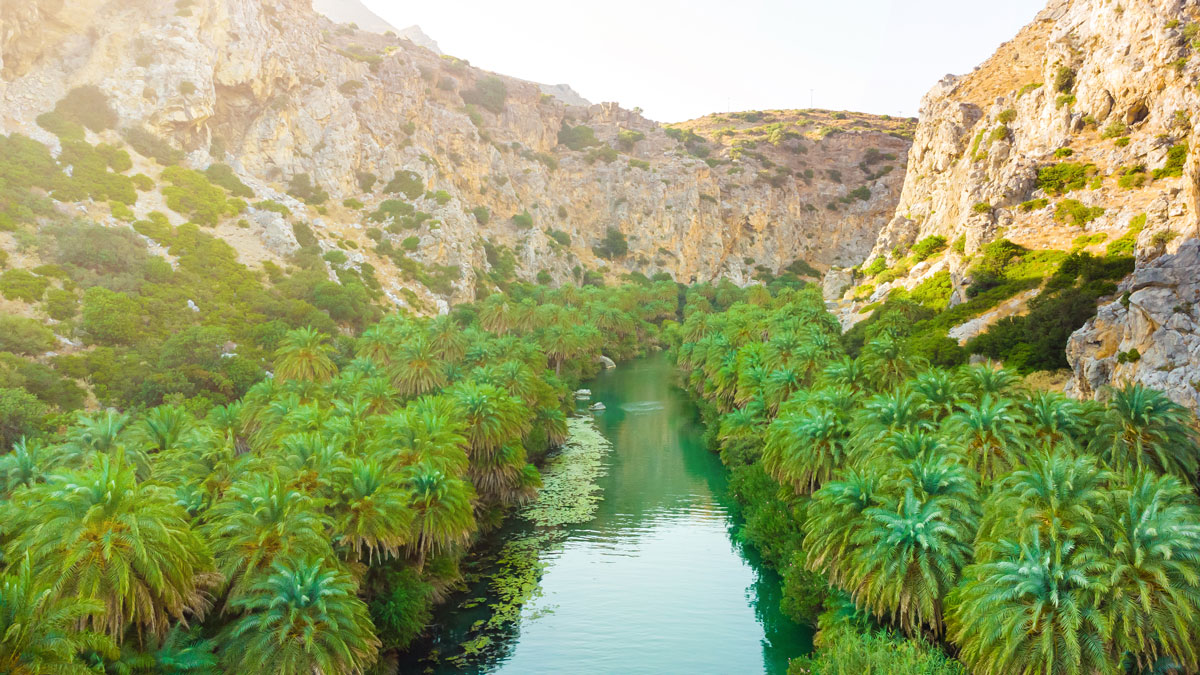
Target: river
654, 582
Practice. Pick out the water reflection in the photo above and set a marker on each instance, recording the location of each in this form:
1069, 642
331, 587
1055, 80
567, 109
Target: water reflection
654, 583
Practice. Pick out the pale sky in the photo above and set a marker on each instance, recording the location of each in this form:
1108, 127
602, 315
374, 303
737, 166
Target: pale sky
679, 60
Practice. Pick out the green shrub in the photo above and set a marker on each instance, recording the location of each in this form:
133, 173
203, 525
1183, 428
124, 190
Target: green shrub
559, 236
222, 174
366, 180
847, 651
1075, 212
304, 235
627, 138
1064, 177
121, 212
1034, 204
21, 414
929, 246
335, 257
489, 92
272, 205
353, 204
577, 138
1176, 157
89, 107
1122, 142
1132, 177
1007, 116
982, 207
110, 318
142, 182
149, 145
20, 284
613, 245
482, 215
302, 187
1115, 129
61, 304
192, 195
408, 183
523, 220
1131, 356
410, 243
20, 335
391, 211
877, 265
1063, 153
60, 126
1064, 79
639, 164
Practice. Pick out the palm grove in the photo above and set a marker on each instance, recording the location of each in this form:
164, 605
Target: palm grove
310, 525
1019, 530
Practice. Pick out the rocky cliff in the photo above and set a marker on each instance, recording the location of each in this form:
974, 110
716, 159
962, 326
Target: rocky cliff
333, 122
1079, 132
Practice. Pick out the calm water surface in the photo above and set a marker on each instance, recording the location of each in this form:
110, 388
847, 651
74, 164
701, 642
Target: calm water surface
654, 583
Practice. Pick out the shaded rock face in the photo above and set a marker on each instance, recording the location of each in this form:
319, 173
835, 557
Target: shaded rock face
276, 90
1106, 84
1148, 336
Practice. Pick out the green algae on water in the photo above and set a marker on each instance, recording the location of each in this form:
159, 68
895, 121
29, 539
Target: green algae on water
570, 495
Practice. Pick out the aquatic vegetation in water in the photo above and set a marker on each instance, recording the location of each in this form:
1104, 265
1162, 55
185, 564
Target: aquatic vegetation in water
570, 494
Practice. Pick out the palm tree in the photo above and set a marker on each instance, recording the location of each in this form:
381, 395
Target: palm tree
1153, 602
834, 517
1054, 418
496, 314
847, 372
305, 617
376, 344
803, 449
304, 354
444, 515
492, 417
39, 630
1144, 428
986, 379
30, 462
447, 337
258, 521
1059, 497
428, 431
99, 535
992, 433
181, 652
165, 427
940, 389
910, 557
1032, 609
887, 363
374, 510
417, 370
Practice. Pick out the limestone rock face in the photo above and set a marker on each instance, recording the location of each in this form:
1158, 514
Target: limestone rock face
1111, 87
276, 91
1148, 335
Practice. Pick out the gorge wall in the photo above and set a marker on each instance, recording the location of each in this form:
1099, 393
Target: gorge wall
1079, 132
286, 98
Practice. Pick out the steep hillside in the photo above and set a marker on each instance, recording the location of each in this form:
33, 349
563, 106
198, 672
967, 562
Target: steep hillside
1076, 136
439, 176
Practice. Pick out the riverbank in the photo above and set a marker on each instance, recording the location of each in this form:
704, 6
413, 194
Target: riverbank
649, 581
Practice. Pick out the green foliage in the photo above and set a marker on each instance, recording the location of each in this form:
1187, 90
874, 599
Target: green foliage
21, 415
193, 195
523, 220
1176, 158
87, 106
302, 187
876, 266
612, 246
562, 238
1064, 79
489, 93
1076, 212
1034, 205
577, 138
222, 174
1132, 177
149, 145
627, 138
482, 215
20, 284
408, 183
1058, 179
20, 335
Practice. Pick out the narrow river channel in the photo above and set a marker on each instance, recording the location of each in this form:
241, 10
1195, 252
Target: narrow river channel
654, 582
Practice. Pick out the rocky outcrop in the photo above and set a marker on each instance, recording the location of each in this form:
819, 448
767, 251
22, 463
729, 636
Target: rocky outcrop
1109, 87
277, 91
1149, 335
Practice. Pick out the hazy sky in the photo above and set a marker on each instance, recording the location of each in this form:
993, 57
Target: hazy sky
679, 60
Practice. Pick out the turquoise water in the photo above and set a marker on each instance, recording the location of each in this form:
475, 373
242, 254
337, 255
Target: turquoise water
654, 583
